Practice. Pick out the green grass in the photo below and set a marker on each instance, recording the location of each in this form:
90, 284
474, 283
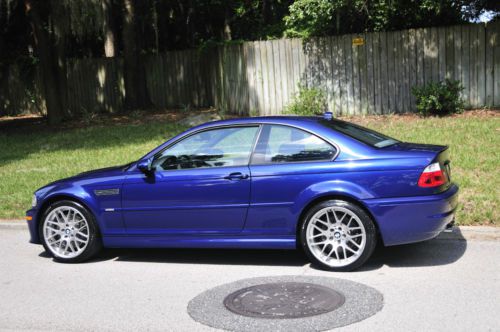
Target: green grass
30, 159
475, 160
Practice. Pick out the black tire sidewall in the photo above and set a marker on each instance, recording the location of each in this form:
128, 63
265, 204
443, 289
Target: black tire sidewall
94, 244
370, 229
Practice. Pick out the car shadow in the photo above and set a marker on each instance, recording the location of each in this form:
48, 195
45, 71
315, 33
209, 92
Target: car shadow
262, 257
445, 249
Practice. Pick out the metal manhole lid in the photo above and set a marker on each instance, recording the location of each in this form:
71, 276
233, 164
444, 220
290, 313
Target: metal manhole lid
284, 300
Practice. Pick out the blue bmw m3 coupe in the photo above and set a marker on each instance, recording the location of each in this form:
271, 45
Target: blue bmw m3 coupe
327, 186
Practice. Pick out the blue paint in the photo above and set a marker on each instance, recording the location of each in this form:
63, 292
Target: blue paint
262, 207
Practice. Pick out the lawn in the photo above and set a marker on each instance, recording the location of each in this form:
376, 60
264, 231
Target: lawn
31, 157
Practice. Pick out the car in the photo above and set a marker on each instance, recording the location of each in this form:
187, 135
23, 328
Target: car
329, 187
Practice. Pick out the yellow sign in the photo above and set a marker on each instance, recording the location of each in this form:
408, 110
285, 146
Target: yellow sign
358, 41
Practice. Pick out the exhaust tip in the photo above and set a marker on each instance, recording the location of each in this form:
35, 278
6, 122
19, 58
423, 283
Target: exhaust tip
449, 227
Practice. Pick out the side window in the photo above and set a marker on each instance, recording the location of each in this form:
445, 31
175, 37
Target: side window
280, 144
211, 148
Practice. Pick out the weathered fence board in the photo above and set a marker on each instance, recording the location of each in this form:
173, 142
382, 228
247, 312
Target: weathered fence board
375, 75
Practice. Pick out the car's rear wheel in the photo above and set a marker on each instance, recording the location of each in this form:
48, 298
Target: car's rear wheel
338, 235
69, 232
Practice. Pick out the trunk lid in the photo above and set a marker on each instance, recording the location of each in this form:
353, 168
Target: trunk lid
437, 153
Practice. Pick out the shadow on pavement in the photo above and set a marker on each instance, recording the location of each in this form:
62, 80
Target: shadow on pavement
441, 251
262, 257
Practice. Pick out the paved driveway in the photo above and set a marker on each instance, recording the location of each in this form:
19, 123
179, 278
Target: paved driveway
445, 285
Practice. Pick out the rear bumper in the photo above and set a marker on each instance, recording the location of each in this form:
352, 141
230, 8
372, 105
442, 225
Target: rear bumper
32, 226
413, 219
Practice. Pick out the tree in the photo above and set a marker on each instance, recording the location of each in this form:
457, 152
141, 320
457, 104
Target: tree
49, 32
136, 92
310, 17
109, 27
45, 49
476, 8
325, 17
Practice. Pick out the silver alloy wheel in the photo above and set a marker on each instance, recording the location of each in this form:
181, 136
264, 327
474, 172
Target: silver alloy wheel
66, 232
336, 236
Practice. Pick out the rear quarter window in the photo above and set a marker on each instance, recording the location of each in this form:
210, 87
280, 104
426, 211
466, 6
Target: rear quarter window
364, 135
283, 144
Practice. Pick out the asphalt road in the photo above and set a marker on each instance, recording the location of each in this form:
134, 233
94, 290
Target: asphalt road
440, 285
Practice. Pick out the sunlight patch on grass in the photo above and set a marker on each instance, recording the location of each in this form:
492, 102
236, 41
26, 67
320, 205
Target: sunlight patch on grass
475, 159
29, 160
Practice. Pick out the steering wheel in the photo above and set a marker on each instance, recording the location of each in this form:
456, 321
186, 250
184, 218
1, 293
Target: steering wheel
165, 162
183, 160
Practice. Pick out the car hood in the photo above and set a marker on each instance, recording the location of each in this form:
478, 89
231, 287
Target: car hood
106, 171
93, 174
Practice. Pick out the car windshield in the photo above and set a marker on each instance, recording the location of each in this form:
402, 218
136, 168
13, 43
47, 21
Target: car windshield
359, 133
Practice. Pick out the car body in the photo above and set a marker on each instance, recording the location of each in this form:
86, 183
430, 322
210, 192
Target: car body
208, 200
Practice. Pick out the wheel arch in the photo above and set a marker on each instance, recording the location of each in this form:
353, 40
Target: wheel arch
328, 197
64, 197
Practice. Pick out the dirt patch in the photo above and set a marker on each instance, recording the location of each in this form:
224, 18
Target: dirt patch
37, 122
360, 119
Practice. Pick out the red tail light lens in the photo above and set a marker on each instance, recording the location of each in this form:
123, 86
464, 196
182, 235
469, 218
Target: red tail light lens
432, 176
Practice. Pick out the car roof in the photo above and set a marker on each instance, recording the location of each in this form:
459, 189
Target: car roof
308, 123
283, 119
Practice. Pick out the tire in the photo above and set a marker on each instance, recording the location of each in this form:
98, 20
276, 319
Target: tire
69, 232
333, 245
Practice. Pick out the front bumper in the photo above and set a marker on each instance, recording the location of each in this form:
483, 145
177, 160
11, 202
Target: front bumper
413, 219
32, 226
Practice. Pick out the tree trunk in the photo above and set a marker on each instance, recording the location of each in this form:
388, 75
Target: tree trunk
109, 28
266, 12
60, 64
227, 23
49, 72
136, 92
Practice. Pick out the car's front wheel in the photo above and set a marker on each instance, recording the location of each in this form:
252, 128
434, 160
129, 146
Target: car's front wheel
69, 232
338, 235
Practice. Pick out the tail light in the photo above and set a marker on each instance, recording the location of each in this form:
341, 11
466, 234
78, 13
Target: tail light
432, 176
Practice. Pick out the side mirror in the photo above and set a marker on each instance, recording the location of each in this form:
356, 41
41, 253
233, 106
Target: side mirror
145, 166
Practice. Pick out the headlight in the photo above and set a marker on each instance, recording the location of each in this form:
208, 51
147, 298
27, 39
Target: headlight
33, 201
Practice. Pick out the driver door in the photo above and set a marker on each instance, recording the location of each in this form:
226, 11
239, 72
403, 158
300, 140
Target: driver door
201, 184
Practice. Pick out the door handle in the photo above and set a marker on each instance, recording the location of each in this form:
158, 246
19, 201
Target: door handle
236, 176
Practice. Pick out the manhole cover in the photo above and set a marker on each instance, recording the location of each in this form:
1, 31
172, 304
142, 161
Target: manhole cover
309, 303
284, 300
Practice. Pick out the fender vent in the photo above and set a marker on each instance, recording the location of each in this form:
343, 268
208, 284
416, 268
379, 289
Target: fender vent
106, 192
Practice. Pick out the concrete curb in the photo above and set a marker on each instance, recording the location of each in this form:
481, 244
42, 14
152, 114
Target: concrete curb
13, 224
478, 233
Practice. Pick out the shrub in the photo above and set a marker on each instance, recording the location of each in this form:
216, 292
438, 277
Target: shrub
309, 18
440, 98
308, 101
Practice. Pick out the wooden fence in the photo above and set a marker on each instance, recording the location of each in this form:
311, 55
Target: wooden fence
370, 73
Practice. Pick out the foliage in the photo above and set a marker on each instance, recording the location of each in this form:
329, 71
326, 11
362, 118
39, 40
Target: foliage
78, 18
440, 98
475, 8
253, 113
326, 17
178, 24
309, 17
307, 101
